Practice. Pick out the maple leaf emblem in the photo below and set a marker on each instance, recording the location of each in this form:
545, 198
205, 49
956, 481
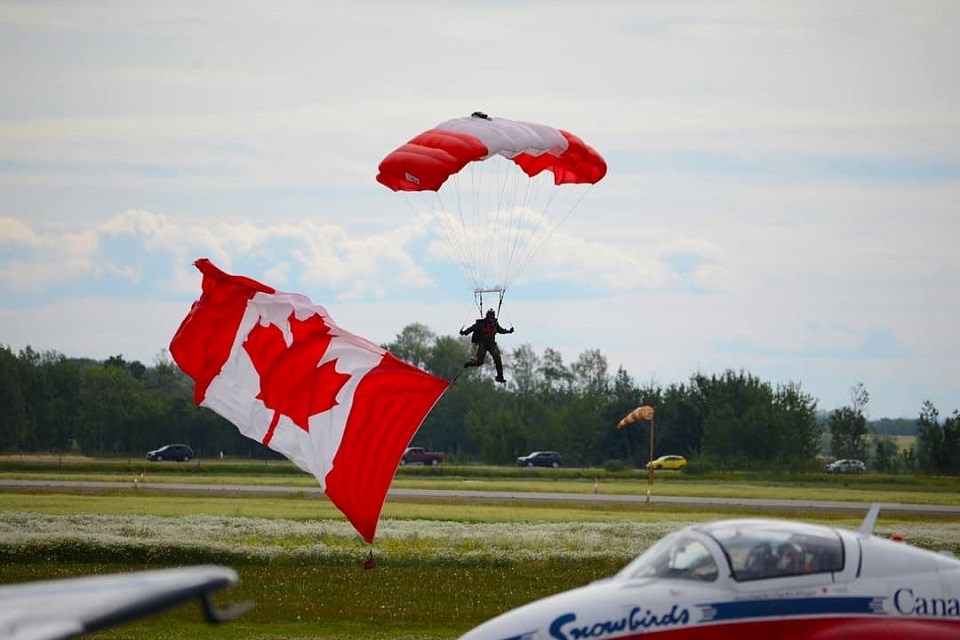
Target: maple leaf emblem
291, 383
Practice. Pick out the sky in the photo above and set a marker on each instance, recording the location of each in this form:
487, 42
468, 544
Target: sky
782, 195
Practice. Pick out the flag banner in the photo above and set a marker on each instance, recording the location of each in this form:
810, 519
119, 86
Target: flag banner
279, 368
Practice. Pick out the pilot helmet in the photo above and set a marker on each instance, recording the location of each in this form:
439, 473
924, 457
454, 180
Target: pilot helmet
490, 313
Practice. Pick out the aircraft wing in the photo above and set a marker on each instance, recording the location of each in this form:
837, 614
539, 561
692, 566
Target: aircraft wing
67, 608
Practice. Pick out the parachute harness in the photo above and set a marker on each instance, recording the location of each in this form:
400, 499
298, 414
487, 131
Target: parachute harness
478, 294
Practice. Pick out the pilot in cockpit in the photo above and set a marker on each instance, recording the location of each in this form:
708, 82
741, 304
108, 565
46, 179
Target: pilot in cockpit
789, 559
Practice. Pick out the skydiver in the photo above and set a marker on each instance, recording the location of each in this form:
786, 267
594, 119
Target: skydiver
484, 334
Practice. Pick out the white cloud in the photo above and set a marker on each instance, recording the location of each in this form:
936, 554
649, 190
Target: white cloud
50, 256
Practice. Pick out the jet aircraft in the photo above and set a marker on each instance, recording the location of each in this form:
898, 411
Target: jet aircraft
755, 578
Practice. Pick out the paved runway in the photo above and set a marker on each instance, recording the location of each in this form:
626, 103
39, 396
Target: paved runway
760, 505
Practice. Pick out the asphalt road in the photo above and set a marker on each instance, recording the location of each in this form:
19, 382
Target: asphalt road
760, 505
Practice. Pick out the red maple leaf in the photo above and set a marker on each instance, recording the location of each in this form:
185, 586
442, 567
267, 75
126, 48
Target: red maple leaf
291, 383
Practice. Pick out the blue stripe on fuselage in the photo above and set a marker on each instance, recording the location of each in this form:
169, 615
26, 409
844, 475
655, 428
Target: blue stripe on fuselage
785, 607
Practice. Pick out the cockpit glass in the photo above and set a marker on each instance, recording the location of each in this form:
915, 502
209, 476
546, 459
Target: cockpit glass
757, 551
677, 557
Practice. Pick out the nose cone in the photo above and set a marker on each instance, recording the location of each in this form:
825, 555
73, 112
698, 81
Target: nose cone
512, 625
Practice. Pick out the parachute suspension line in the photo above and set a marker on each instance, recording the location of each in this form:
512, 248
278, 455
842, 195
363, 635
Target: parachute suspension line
523, 213
487, 224
535, 247
459, 233
541, 220
478, 294
466, 238
456, 229
522, 186
433, 215
486, 175
507, 179
517, 237
468, 321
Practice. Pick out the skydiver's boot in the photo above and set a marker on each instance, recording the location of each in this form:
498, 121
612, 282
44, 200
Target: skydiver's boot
500, 377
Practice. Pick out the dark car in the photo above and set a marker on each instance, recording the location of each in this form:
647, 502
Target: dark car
178, 452
846, 466
541, 459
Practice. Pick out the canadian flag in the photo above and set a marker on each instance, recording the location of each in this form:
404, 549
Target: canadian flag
277, 366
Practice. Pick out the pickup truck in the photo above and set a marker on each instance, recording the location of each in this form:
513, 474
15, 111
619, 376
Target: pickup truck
414, 455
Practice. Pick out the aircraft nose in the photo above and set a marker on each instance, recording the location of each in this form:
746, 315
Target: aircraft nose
505, 627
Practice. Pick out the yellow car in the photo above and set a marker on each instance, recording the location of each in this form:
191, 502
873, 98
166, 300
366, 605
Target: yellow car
667, 462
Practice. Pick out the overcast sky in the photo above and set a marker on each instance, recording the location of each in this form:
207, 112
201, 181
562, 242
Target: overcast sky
782, 196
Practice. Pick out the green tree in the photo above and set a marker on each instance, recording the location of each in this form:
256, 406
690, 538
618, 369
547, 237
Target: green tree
13, 404
590, 373
885, 458
848, 426
446, 356
413, 344
525, 371
938, 446
557, 378
738, 425
108, 401
679, 420
56, 401
795, 431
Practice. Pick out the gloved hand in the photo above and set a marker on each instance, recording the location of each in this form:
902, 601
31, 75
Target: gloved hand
511, 330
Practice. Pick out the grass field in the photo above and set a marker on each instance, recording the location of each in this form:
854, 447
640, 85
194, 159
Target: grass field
443, 566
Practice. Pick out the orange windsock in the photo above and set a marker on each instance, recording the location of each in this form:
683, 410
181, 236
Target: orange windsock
640, 413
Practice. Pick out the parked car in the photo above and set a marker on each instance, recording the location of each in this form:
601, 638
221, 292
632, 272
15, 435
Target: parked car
667, 462
178, 452
846, 466
415, 455
541, 459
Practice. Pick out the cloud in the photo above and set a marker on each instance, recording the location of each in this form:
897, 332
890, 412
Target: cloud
33, 261
822, 342
147, 249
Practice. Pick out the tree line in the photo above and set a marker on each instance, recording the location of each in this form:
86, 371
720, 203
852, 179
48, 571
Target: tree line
728, 420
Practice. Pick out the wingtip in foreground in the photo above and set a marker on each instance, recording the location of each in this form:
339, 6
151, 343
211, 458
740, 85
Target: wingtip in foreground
87, 604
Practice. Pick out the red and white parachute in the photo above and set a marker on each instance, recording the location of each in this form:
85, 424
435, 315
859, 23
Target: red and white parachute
494, 189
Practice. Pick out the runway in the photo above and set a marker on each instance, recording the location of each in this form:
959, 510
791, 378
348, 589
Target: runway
760, 505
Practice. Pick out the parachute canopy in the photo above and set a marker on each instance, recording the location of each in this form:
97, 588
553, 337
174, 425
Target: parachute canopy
425, 163
493, 189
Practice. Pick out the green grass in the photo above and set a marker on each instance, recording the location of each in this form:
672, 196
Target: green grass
443, 566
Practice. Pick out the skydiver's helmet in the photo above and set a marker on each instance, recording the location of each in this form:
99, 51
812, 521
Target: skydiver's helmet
491, 314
